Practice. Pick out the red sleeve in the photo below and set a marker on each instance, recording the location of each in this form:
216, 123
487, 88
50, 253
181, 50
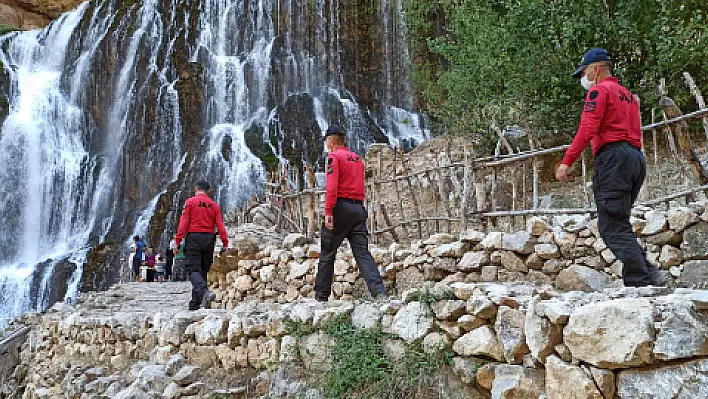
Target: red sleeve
590, 120
221, 228
331, 184
183, 222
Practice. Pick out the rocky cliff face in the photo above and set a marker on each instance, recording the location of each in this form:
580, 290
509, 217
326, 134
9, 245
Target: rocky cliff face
33, 14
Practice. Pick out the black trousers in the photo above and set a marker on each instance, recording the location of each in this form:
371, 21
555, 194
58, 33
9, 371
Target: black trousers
198, 257
620, 170
168, 263
350, 223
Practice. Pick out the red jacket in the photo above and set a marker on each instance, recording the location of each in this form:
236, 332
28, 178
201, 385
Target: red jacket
345, 178
200, 215
610, 114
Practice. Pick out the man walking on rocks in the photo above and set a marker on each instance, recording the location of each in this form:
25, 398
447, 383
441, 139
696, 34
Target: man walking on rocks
345, 217
610, 123
196, 227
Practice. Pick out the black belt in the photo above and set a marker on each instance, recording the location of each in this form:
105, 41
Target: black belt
615, 144
351, 201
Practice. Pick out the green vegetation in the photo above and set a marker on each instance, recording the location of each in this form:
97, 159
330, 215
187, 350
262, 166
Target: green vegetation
362, 369
485, 64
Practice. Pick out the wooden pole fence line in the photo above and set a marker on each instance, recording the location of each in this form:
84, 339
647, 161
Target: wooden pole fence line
682, 118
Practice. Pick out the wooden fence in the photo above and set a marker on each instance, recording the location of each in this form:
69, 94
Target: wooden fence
454, 189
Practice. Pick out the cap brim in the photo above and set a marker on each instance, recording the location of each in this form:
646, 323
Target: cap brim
578, 71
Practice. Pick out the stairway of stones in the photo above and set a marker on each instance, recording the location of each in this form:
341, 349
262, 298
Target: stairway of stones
538, 313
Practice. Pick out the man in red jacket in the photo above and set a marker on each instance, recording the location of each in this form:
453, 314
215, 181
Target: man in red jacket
610, 123
345, 217
196, 226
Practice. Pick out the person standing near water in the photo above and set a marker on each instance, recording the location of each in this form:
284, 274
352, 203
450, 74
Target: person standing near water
196, 226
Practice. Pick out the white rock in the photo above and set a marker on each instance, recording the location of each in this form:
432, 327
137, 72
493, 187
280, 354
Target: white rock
599, 333
481, 342
463, 290
435, 342
512, 382
473, 261
687, 380
267, 273
481, 306
566, 381
510, 261
174, 364
536, 225
541, 335
244, 283
212, 330
683, 333
608, 256
452, 250
572, 223
656, 223
298, 270
298, 252
316, 351
366, 315
472, 236
187, 375
492, 241
680, 218
439, 239
558, 312
520, 242
547, 251
294, 240
448, 309
509, 328
413, 321
581, 278
670, 256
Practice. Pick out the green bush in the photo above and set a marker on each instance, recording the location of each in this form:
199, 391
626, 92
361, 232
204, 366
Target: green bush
485, 64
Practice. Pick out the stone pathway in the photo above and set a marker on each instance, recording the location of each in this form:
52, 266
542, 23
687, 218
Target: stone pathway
137, 298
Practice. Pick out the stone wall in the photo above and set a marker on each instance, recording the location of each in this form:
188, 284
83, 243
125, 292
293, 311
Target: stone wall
505, 341
564, 251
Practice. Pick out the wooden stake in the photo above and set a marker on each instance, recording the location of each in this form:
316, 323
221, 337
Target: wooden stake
400, 200
699, 100
416, 209
311, 182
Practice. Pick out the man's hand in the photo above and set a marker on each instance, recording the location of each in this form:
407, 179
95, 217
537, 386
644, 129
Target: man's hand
329, 222
175, 250
562, 173
223, 250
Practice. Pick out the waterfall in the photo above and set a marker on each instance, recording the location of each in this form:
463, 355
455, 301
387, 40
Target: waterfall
117, 107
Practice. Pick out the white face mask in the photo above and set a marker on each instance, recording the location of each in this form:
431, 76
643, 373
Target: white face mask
586, 83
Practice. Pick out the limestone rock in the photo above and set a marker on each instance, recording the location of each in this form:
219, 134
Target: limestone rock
439, 239
479, 342
473, 261
172, 391
510, 261
509, 328
409, 278
599, 333
683, 333
452, 250
547, 251
541, 335
132, 392
435, 342
468, 322
558, 312
313, 251
520, 242
571, 223
413, 321
536, 225
294, 240
687, 380
187, 375
534, 261
581, 278
366, 315
680, 218
608, 256
485, 375
463, 290
656, 223
472, 236
448, 309
466, 368
695, 242
492, 241
298, 270
670, 256
489, 273
605, 380
512, 382
244, 283
565, 381
669, 237
695, 274
316, 351
481, 306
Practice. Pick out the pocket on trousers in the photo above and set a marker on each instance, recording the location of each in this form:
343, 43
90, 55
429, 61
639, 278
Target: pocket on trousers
616, 207
325, 239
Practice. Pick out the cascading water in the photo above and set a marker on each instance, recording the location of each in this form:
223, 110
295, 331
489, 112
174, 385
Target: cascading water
117, 107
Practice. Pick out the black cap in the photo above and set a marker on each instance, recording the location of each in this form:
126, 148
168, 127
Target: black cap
592, 56
333, 130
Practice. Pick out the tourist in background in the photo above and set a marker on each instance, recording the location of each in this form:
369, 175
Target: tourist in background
138, 257
150, 261
160, 268
610, 123
170, 255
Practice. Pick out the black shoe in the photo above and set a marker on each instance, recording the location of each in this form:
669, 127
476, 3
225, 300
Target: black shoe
658, 279
207, 298
192, 308
321, 299
381, 297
